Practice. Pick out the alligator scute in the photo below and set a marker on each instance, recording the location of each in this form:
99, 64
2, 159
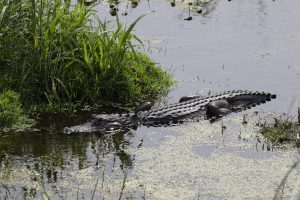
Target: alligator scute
188, 108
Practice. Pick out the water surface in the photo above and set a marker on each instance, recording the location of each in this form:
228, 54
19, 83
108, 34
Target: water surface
241, 44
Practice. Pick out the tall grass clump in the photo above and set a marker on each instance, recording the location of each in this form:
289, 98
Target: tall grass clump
54, 51
284, 130
11, 112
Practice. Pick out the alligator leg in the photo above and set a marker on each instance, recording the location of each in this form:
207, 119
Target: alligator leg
218, 108
186, 98
145, 106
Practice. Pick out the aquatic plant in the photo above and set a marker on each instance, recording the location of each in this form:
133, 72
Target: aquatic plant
284, 130
59, 52
11, 112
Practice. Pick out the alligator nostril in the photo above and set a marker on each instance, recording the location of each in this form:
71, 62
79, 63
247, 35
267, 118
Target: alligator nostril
273, 96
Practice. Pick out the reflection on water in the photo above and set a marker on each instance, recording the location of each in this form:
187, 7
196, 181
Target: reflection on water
58, 145
53, 156
190, 7
46, 156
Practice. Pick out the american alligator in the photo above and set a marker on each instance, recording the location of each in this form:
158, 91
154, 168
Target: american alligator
188, 108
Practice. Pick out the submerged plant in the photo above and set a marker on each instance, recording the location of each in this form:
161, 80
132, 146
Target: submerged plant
59, 52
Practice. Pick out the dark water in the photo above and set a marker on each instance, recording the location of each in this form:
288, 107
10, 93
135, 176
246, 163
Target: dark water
240, 44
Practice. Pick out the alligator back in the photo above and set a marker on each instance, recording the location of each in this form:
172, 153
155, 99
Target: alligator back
196, 108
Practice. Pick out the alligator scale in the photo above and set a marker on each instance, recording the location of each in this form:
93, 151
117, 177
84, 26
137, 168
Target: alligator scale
188, 108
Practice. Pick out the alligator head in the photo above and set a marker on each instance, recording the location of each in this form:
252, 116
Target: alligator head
105, 123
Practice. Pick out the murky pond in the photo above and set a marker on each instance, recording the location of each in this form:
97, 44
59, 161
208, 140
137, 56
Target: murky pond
234, 44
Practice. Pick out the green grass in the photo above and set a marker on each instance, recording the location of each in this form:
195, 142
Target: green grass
284, 130
54, 52
11, 112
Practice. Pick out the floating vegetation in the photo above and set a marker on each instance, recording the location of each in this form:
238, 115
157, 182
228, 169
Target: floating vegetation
58, 52
284, 130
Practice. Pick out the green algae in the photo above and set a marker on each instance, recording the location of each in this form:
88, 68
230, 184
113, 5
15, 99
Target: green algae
171, 166
175, 171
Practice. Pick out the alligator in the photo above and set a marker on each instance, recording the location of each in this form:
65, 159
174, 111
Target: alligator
189, 108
